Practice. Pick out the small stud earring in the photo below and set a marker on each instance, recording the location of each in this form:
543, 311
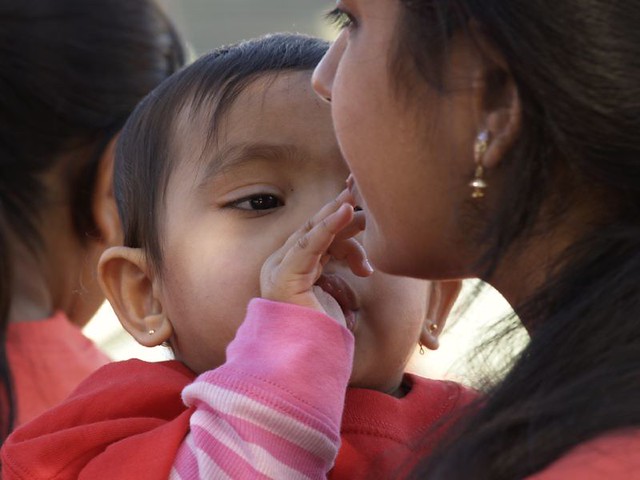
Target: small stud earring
152, 331
433, 328
478, 183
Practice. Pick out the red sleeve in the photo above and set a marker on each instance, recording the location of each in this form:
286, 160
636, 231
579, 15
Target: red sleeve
104, 429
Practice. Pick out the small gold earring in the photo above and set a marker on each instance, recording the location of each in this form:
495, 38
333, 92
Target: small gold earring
152, 331
433, 328
421, 348
478, 183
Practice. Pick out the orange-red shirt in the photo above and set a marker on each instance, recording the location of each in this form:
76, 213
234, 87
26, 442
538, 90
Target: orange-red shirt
384, 436
613, 456
48, 359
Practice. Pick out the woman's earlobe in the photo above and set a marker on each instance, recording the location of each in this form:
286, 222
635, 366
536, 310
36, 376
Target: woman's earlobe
128, 283
503, 124
497, 99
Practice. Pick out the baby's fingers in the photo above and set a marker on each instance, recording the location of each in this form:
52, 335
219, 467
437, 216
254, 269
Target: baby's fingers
305, 256
351, 252
329, 209
355, 226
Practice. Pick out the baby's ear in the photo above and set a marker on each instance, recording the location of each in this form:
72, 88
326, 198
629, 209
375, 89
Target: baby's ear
443, 295
128, 283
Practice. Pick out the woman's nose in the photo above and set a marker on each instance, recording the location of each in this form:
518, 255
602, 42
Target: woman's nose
324, 74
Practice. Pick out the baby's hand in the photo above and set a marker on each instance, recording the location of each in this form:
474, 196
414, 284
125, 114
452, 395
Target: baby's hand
289, 274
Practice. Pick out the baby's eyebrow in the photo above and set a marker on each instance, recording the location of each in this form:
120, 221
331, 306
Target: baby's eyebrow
233, 156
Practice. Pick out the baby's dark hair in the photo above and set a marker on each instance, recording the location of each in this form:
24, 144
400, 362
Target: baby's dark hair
205, 91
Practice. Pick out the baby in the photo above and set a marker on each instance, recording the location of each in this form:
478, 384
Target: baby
217, 170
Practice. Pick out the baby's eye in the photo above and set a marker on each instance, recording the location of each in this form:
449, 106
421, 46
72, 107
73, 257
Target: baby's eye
263, 201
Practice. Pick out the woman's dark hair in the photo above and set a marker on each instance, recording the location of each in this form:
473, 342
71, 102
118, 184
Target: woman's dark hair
575, 65
72, 71
202, 93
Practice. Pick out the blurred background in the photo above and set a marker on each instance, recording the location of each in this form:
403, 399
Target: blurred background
207, 24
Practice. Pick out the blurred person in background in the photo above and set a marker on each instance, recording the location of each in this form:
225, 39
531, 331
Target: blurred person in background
72, 71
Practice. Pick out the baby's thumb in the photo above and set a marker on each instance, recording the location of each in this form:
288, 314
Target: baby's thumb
329, 305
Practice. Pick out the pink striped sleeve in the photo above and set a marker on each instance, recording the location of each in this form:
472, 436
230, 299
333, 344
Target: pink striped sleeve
273, 410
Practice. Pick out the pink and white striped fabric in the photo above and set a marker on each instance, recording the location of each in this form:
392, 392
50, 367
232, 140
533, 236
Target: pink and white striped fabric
273, 410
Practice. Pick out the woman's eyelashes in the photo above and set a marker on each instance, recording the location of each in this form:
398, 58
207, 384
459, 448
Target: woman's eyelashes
260, 202
340, 18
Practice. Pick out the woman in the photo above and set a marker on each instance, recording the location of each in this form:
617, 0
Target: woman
72, 71
501, 139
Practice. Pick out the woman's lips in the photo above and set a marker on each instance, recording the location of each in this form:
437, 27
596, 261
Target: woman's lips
339, 289
353, 190
351, 186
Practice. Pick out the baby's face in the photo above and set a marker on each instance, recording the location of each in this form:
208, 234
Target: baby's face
276, 163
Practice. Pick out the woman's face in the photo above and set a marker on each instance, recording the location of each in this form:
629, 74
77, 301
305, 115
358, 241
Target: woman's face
410, 148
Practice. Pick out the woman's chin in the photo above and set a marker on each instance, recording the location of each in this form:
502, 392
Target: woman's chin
381, 255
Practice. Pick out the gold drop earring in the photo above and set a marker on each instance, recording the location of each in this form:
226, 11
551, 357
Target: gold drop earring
478, 184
